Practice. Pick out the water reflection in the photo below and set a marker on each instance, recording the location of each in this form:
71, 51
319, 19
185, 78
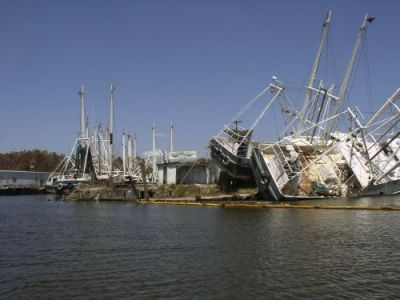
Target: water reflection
53, 249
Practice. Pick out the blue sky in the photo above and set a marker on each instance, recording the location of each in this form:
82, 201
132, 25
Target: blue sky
194, 62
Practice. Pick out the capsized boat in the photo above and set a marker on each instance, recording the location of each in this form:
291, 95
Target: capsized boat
325, 150
231, 148
231, 152
363, 162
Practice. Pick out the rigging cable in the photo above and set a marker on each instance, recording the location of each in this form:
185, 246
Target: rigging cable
346, 99
332, 58
368, 76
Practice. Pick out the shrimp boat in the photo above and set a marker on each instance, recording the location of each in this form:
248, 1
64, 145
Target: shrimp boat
73, 169
77, 167
230, 150
363, 162
305, 164
90, 160
372, 151
324, 150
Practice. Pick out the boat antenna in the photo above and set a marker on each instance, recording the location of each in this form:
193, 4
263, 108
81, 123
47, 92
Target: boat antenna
236, 122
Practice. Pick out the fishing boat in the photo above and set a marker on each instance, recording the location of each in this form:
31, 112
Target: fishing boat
72, 170
324, 150
77, 167
231, 153
373, 150
90, 159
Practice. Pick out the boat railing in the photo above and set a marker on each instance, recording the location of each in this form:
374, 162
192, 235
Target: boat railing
238, 135
235, 141
288, 167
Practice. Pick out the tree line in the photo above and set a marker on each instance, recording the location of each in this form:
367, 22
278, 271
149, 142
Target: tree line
32, 160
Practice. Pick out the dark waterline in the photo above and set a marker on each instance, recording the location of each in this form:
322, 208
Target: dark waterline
56, 249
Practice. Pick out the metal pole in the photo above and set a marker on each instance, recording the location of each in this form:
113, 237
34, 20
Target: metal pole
387, 172
134, 152
325, 30
388, 104
171, 137
111, 125
82, 96
368, 19
123, 155
129, 154
153, 128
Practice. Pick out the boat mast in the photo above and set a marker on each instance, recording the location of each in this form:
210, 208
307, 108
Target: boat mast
342, 93
134, 151
171, 137
83, 127
153, 129
100, 145
87, 128
111, 125
123, 154
307, 100
129, 154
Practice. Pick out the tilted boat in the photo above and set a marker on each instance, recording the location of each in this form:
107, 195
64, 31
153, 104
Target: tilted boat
324, 151
231, 153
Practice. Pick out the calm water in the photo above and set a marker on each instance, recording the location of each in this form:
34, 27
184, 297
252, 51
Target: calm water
56, 249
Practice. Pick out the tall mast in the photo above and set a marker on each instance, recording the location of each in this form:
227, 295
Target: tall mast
342, 93
111, 124
325, 30
129, 154
83, 127
153, 132
171, 137
94, 140
100, 147
311, 82
87, 128
134, 151
123, 154
153, 129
